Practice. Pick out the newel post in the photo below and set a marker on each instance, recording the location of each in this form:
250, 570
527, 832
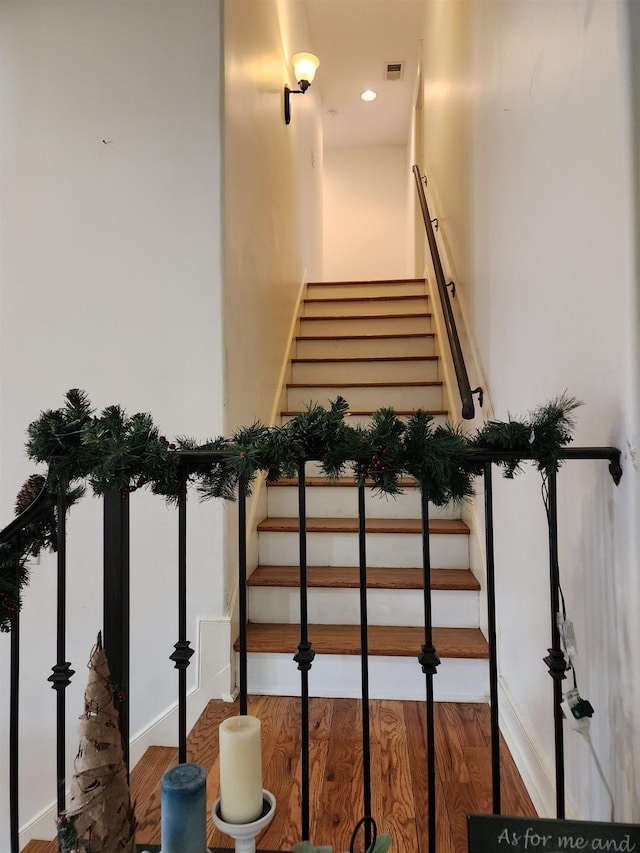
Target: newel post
116, 602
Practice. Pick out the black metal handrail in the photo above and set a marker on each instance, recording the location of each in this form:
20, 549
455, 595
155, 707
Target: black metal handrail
116, 624
466, 394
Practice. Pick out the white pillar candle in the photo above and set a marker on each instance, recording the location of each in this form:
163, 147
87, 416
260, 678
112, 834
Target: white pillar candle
240, 769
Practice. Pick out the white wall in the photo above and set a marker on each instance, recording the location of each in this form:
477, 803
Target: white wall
534, 120
272, 214
110, 280
272, 198
366, 224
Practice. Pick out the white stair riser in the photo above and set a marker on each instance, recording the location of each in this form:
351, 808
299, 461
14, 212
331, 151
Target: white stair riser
448, 551
451, 608
364, 348
457, 680
318, 290
363, 421
342, 502
366, 398
337, 307
366, 371
365, 325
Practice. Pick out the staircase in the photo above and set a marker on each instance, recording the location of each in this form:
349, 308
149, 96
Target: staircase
373, 344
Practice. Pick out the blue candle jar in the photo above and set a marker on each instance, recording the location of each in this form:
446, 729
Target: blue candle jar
184, 809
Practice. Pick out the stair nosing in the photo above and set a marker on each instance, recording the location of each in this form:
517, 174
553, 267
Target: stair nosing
368, 337
419, 314
379, 298
377, 578
366, 413
366, 359
366, 282
408, 384
349, 525
342, 482
325, 640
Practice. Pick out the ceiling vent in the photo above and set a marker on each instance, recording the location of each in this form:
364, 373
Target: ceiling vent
393, 70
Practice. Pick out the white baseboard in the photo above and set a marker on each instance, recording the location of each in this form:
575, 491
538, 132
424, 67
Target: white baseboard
215, 680
536, 771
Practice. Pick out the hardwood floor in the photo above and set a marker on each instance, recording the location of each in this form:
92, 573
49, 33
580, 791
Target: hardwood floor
399, 799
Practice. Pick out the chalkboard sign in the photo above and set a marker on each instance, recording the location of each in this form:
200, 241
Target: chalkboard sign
496, 834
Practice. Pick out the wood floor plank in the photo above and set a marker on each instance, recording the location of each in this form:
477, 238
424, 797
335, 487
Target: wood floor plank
515, 798
416, 734
203, 738
398, 751
461, 799
450, 763
464, 721
281, 769
391, 777
146, 791
320, 717
342, 797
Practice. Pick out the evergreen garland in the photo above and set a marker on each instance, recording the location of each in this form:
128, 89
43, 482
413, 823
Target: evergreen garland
543, 434
115, 451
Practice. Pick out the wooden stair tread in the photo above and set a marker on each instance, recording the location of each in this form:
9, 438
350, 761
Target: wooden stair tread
407, 384
366, 282
384, 640
381, 298
365, 359
373, 525
369, 337
394, 316
368, 412
348, 577
350, 482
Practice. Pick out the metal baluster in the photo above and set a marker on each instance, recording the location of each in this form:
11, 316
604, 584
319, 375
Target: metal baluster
364, 660
429, 661
242, 588
61, 672
183, 650
305, 654
555, 660
491, 630
14, 721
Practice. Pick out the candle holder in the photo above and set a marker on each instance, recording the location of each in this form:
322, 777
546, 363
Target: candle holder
245, 834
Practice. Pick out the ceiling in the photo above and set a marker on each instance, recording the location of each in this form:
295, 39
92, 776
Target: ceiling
354, 40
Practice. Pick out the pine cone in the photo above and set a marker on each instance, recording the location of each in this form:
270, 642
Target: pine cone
29, 492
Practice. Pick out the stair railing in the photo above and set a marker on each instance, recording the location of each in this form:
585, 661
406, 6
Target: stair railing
464, 387
116, 627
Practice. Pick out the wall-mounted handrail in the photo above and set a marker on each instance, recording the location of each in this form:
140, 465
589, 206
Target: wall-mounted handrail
466, 394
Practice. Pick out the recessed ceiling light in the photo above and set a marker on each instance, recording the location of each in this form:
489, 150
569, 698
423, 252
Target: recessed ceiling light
369, 95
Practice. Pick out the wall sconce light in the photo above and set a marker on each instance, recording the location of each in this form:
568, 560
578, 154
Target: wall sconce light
305, 66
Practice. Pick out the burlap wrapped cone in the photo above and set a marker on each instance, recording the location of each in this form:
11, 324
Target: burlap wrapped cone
99, 802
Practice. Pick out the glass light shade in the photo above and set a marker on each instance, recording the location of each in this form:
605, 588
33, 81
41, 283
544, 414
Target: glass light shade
305, 65
368, 95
